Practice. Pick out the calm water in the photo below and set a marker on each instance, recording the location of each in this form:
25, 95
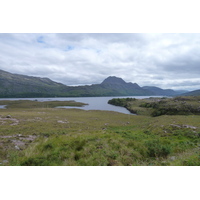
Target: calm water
2, 106
94, 103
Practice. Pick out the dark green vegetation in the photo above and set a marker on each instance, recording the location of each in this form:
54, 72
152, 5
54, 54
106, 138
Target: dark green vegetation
43, 135
161, 106
14, 85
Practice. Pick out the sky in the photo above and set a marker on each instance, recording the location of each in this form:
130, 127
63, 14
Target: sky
162, 60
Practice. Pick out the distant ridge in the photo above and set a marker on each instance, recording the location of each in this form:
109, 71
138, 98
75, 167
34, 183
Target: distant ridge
15, 85
164, 92
192, 93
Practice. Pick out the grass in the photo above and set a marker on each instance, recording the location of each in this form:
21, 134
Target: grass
46, 136
37, 104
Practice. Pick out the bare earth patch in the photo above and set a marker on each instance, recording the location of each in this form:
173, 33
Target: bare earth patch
8, 118
18, 141
62, 122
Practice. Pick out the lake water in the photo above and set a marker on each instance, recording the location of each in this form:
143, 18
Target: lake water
94, 103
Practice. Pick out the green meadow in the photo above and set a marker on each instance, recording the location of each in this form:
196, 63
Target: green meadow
39, 134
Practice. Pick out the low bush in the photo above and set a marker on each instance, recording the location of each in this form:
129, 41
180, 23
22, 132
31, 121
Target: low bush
156, 148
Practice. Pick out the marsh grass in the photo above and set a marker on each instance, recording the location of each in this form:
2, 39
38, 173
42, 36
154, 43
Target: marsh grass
37, 104
74, 137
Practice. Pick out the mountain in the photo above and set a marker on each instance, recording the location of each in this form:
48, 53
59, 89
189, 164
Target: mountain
118, 87
111, 86
163, 92
192, 93
113, 80
15, 85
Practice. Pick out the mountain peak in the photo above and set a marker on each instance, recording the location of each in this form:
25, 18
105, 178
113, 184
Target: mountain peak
113, 80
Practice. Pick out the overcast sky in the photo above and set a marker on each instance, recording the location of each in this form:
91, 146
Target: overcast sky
163, 60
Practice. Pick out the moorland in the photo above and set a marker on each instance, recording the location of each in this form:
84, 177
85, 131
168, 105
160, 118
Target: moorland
164, 132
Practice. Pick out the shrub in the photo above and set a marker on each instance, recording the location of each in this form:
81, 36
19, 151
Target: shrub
156, 148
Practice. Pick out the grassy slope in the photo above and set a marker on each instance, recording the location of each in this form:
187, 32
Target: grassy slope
50, 136
15, 85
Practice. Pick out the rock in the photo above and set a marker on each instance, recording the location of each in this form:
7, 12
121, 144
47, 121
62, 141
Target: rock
8, 116
16, 147
19, 135
62, 122
174, 125
173, 158
188, 126
183, 126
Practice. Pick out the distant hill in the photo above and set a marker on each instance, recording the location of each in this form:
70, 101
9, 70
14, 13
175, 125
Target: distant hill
192, 93
15, 85
164, 92
111, 86
119, 87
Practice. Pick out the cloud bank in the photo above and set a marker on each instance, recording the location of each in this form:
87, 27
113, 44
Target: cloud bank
163, 60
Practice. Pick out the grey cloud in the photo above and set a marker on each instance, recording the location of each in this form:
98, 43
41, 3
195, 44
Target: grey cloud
163, 60
103, 37
183, 65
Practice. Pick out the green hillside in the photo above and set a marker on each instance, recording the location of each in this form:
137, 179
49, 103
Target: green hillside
15, 85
